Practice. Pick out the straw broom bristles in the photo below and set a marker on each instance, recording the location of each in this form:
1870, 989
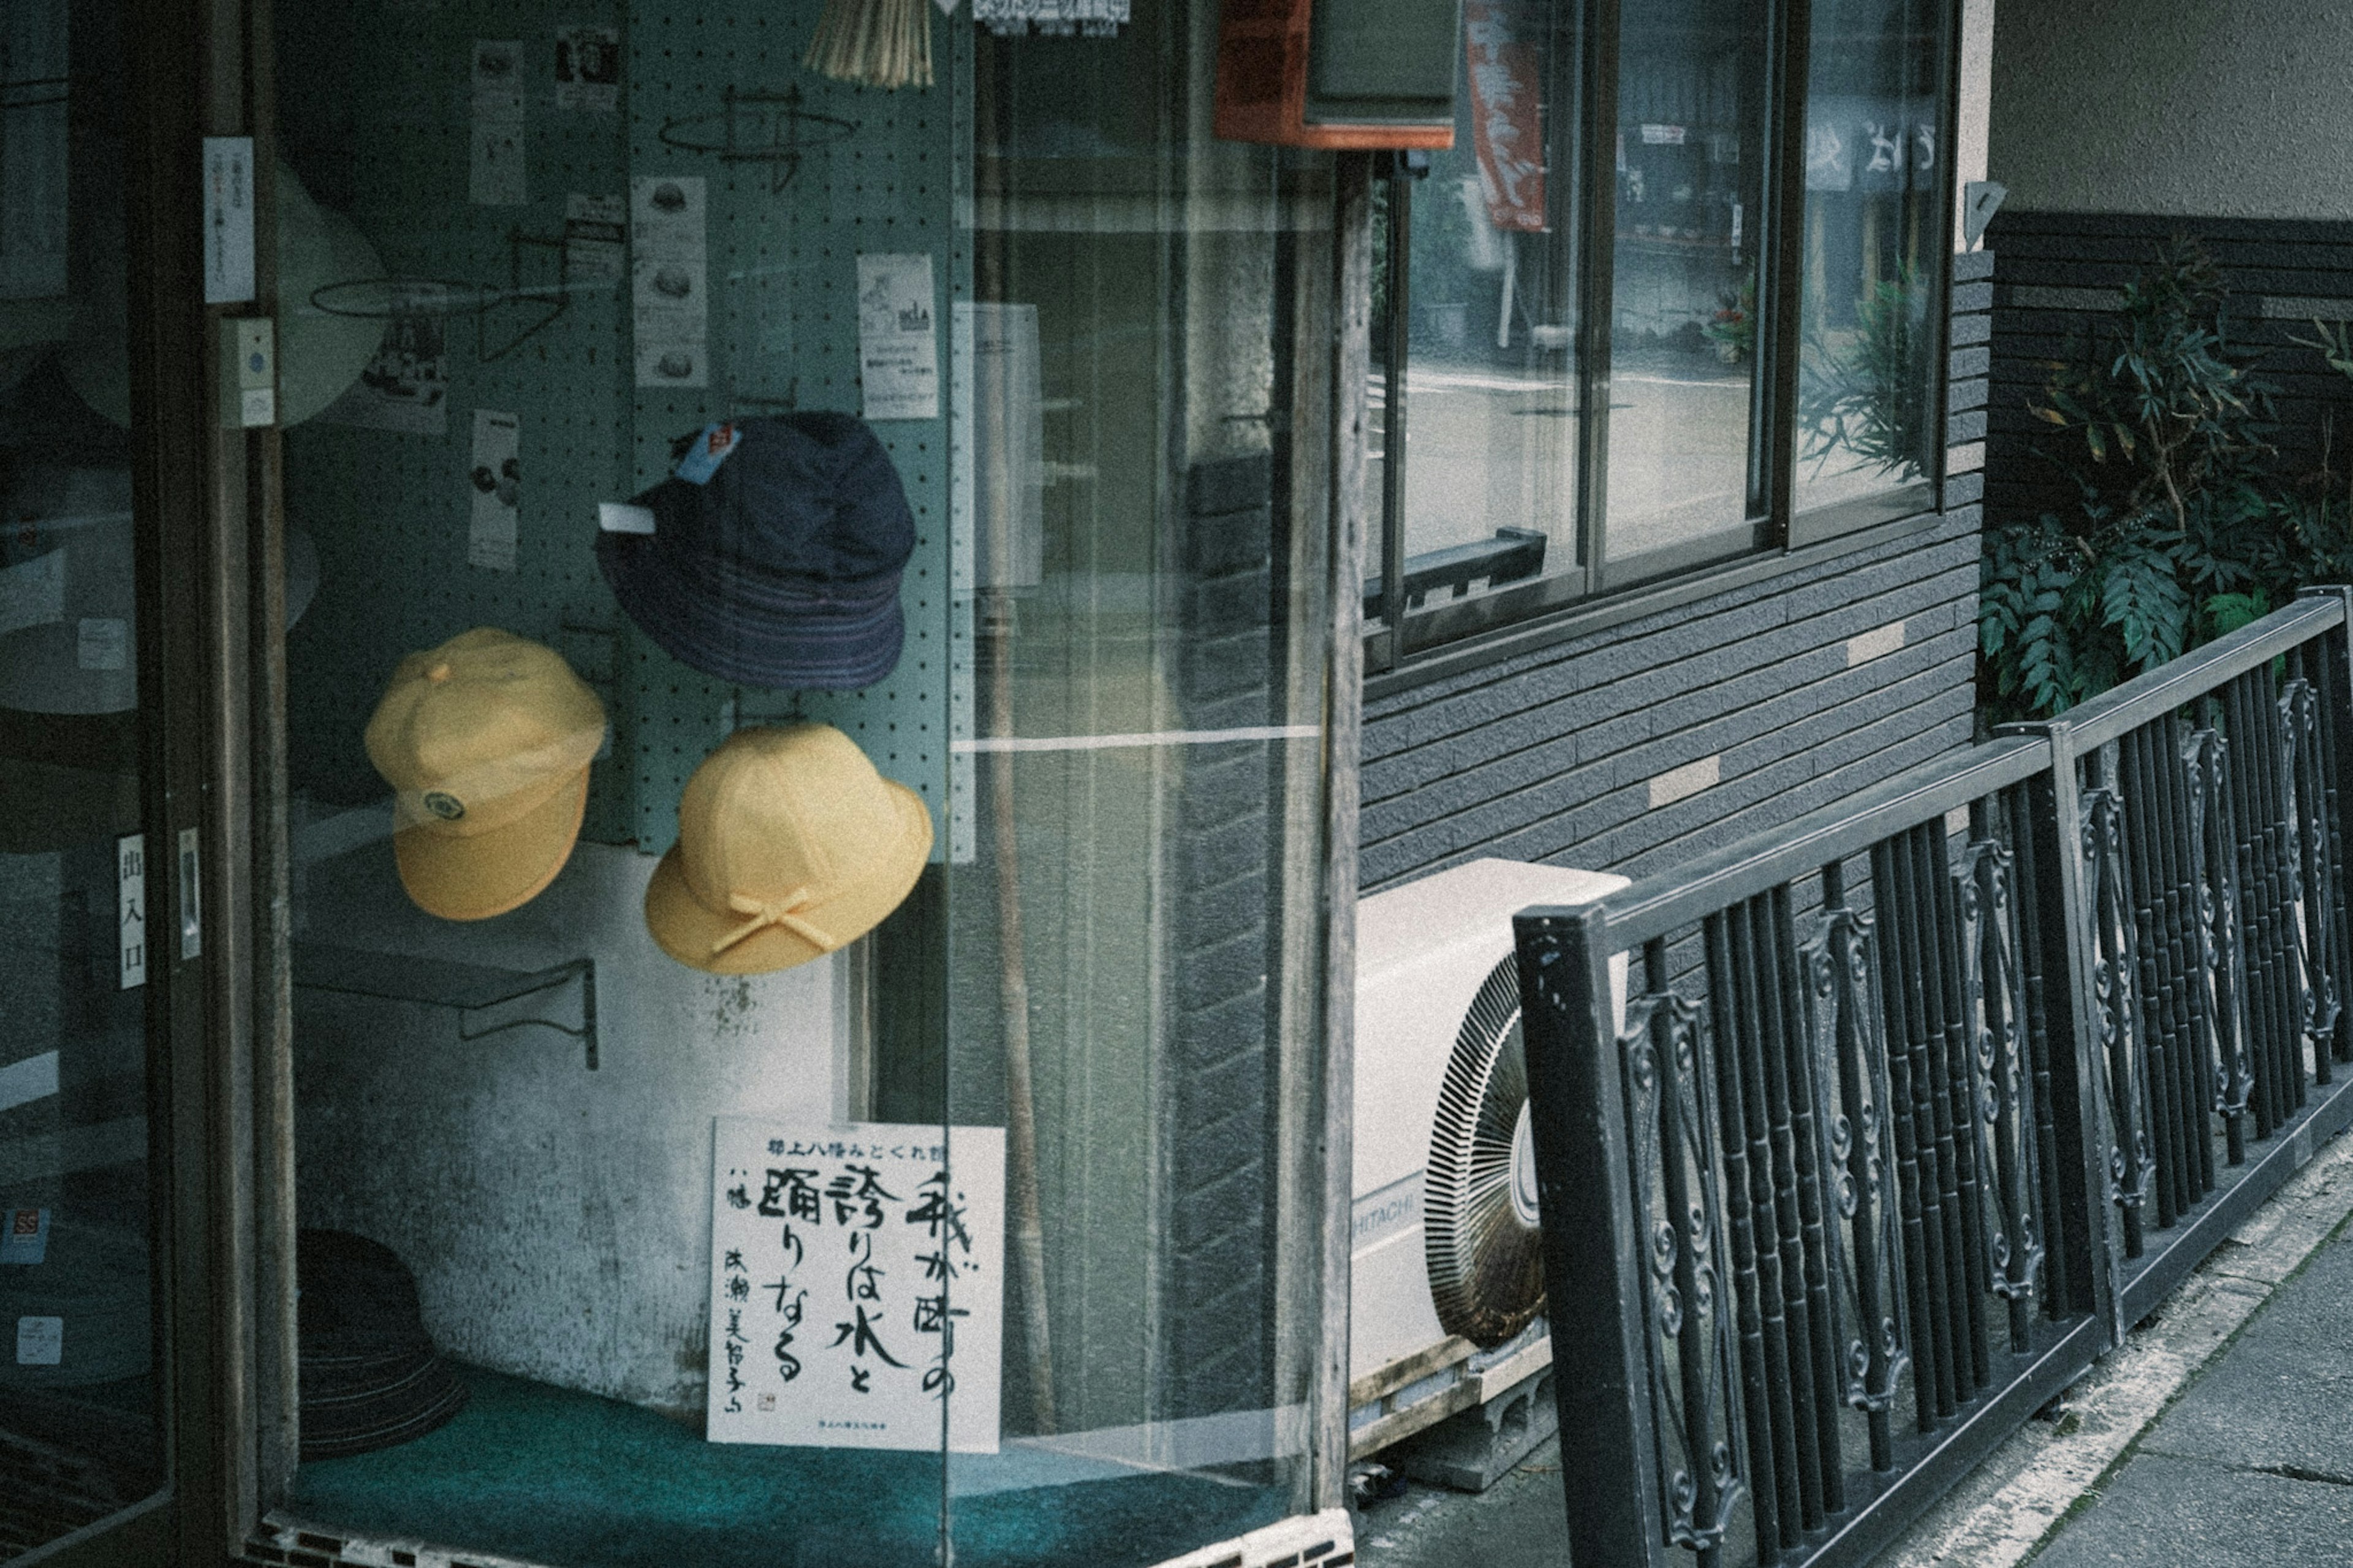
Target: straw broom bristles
873, 43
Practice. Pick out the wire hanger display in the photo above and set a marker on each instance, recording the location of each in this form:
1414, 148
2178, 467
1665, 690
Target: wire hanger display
381, 298
769, 127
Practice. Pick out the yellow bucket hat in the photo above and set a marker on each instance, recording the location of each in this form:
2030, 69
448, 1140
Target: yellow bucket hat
789, 846
487, 741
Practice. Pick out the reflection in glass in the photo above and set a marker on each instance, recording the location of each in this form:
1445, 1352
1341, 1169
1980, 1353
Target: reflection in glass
1133, 946
1491, 483
1873, 246
1689, 168
79, 1431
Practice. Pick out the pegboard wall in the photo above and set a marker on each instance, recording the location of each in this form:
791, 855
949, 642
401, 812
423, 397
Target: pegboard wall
386, 138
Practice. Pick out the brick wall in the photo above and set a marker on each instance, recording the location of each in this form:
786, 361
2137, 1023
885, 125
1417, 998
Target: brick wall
1717, 714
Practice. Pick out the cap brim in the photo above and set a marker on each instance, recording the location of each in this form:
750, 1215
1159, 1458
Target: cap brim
690, 932
472, 878
841, 637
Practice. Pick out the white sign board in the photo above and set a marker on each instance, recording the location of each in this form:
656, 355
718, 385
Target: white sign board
856, 1285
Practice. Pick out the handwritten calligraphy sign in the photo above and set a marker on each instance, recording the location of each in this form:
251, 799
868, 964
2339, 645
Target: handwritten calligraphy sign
856, 1285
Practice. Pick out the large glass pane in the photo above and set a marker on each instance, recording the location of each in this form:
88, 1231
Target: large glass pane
80, 1437
1874, 247
1490, 467
1691, 162
606, 1260
1134, 941
538, 964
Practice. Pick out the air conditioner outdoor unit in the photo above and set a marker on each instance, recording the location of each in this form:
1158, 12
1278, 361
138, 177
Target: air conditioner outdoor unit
1446, 1291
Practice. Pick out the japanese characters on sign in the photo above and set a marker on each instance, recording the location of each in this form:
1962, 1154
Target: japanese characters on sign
856, 1287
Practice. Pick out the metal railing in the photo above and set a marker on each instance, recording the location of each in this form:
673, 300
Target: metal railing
1919, 1102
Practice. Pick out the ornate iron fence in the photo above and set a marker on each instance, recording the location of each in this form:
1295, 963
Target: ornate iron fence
1918, 1103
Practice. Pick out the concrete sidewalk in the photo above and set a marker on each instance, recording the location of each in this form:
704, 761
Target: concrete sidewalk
2219, 1434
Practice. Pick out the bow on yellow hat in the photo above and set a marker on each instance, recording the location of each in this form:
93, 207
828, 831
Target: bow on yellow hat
789, 846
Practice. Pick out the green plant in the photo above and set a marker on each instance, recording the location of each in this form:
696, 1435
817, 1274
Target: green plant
1732, 328
1867, 396
2183, 531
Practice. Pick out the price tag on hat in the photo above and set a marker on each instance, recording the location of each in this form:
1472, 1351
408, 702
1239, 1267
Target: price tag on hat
709, 449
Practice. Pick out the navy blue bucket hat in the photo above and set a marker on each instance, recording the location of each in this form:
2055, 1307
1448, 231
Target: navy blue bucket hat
782, 569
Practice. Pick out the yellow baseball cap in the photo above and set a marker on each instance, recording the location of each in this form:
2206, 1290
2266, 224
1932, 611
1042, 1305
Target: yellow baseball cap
487, 741
789, 846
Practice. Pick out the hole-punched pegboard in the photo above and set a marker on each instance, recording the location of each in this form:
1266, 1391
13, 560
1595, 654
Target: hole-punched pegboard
381, 131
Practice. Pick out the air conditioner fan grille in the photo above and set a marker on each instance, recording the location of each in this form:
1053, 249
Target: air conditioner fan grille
1486, 1262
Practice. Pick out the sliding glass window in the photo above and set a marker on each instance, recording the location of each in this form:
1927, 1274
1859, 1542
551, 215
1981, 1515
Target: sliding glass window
1477, 328
1684, 475
1588, 376
1873, 258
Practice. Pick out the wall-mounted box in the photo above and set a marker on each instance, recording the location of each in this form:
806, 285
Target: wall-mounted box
1339, 74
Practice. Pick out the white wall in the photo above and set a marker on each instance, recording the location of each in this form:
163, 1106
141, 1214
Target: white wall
2201, 107
558, 1219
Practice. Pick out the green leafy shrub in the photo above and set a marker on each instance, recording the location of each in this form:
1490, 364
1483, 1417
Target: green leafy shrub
1866, 396
2184, 531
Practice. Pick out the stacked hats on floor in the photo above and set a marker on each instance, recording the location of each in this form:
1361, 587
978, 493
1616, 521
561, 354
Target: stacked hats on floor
775, 557
370, 1376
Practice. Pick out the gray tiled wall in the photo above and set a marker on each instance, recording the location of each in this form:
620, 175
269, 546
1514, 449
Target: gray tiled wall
1661, 737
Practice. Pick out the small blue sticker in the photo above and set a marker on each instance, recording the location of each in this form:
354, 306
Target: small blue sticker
25, 1236
711, 448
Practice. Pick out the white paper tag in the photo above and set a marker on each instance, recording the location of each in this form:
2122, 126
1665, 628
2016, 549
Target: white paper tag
25, 1233
495, 482
131, 908
40, 1341
898, 337
497, 173
593, 230
228, 219
621, 517
669, 280
588, 69
33, 593
103, 644
857, 1285
405, 386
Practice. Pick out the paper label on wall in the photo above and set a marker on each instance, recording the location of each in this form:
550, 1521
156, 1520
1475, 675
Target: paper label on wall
405, 387
33, 593
23, 1236
595, 229
40, 1341
228, 219
588, 69
131, 909
496, 483
999, 499
669, 280
856, 1285
1059, 18
497, 179
898, 338
102, 642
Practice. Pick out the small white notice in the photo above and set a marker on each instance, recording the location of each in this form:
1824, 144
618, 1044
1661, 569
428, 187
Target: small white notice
40, 1341
496, 483
898, 337
588, 69
669, 280
228, 219
102, 642
33, 593
497, 174
856, 1285
131, 908
593, 230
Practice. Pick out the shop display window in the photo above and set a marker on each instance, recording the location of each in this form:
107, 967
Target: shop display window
807, 787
